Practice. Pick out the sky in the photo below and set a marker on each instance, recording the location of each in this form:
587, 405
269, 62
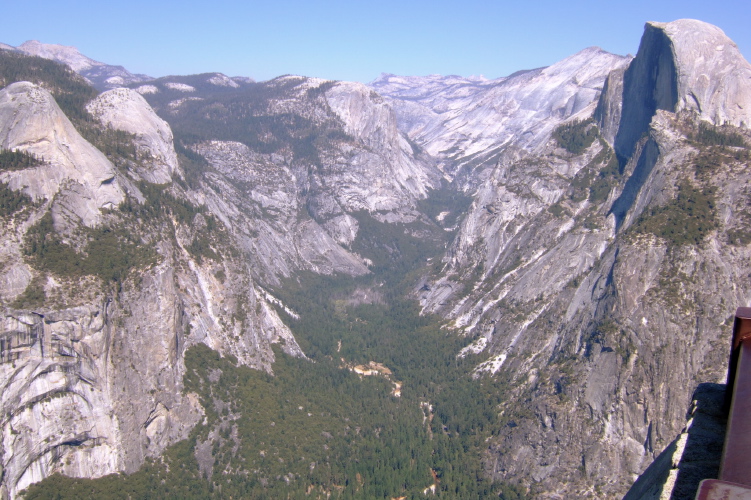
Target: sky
351, 40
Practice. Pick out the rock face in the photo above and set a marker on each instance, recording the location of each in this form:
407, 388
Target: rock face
259, 198
293, 204
469, 123
713, 77
30, 120
388, 173
91, 378
126, 110
684, 65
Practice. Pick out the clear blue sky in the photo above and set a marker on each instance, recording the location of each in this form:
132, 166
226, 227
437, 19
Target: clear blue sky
351, 40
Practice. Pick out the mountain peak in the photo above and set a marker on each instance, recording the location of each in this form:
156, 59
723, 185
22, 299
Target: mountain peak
684, 65
102, 76
712, 76
60, 53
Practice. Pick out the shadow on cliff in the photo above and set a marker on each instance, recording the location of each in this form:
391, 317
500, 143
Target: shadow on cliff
693, 456
647, 160
650, 83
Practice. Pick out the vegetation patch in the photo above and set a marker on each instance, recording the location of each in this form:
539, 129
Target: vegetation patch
740, 236
710, 135
193, 165
33, 296
558, 210
445, 206
12, 201
70, 90
160, 202
109, 253
608, 176
686, 220
394, 249
17, 160
576, 136
117, 145
595, 181
200, 248
246, 115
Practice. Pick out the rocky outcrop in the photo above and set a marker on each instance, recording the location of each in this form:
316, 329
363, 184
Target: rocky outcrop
649, 84
713, 79
95, 388
598, 327
610, 105
387, 172
605, 327
257, 196
293, 214
90, 380
31, 121
693, 456
126, 110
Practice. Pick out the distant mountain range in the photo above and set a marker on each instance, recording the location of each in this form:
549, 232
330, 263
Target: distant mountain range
102, 76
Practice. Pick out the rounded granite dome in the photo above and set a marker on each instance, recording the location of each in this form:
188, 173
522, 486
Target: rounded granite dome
712, 76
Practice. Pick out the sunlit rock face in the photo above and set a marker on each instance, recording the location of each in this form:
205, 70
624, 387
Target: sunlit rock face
31, 121
102, 76
713, 78
685, 65
388, 172
91, 380
469, 122
126, 110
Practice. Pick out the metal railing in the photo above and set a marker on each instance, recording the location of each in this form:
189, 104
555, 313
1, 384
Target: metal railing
735, 469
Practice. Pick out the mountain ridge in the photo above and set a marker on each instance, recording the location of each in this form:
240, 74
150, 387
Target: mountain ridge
102, 76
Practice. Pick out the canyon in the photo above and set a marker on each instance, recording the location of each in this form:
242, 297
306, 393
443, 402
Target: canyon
587, 227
